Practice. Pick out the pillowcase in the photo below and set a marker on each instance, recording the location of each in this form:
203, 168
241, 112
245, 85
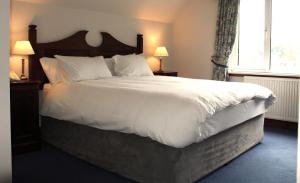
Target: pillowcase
83, 68
131, 65
51, 69
110, 64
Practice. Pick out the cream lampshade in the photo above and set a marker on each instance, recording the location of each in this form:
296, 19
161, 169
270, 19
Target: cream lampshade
161, 52
23, 48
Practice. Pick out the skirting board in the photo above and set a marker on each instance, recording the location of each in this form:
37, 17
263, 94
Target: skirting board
281, 124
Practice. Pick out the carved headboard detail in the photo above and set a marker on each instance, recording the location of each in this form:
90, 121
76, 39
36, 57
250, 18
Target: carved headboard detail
75, 45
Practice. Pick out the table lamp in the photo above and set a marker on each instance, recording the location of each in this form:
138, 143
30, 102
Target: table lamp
161, 52
23, 48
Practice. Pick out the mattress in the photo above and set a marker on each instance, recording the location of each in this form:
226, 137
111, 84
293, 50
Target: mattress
169, 110
221, 120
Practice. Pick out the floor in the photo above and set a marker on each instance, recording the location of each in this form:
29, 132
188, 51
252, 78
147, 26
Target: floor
272, 161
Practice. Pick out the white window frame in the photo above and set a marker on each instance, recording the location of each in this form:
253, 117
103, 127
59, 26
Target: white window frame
268, 29
234, 58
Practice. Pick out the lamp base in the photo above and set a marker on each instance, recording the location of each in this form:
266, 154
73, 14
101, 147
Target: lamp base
23, 77
160, 66
159, 71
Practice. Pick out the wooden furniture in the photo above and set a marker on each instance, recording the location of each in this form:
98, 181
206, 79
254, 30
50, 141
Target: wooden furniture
138, 158
165, 73
24, 116
75, 45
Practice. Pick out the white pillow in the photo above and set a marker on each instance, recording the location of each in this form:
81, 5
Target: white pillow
110, 64
83, 68
51, 69
131, 65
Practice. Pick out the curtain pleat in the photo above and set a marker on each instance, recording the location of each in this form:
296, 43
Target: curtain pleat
225, 37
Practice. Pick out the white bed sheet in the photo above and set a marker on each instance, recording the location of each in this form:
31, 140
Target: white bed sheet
173, 111
232, 116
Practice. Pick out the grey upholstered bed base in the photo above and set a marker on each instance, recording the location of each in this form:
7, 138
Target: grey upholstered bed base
147, 161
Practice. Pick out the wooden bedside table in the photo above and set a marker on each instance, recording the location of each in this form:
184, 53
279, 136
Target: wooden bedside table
24, 102
165, 73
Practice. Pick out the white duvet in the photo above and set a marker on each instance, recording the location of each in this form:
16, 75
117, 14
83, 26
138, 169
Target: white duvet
165, 109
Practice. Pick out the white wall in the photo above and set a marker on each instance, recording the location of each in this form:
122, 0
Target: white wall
56, 22
5, 147
194, 32
160, 11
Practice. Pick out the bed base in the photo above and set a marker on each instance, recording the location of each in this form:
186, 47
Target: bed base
144, 160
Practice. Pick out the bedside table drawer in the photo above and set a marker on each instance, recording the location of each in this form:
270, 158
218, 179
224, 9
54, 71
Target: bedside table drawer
23, 110
24, 117
166, 74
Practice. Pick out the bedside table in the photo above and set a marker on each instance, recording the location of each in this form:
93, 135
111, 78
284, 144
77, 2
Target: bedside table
165, 73
24, 104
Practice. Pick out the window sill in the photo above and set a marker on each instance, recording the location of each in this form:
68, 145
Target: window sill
263, 74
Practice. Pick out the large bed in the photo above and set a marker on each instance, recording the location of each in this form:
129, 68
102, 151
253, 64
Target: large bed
144, 154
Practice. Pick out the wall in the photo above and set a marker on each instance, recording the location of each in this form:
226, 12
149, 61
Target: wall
5, 154
194, 32
58, 22
160, 11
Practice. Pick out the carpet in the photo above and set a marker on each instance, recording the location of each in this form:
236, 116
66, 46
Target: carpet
272, 161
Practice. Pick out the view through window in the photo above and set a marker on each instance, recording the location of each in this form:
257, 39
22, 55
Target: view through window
268, 37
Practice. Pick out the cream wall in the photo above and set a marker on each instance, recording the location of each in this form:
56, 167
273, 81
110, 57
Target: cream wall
5, 152
58, 22
194, 32
161, 11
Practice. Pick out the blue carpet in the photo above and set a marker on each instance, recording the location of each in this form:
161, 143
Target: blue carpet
272, 161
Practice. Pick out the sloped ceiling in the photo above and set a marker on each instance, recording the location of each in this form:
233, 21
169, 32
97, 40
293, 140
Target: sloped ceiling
155, 10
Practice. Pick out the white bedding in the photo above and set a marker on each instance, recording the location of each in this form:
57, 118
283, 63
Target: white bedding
170, 110
231, 116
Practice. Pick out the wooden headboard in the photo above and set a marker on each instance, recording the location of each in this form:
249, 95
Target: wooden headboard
75, 45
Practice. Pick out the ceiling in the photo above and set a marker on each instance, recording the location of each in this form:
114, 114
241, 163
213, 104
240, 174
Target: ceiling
155, 10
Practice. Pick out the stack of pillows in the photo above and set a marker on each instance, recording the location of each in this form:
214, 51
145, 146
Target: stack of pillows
73, 69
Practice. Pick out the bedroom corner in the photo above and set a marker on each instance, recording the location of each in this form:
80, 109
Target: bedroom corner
122, 91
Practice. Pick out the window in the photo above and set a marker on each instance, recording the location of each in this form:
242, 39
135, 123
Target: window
267, 37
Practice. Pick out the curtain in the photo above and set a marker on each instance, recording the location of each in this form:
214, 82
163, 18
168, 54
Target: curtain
225, 37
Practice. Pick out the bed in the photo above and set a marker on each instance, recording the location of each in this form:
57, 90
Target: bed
228, 132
